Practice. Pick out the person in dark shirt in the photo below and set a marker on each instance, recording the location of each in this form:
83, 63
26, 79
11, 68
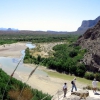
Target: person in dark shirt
74, 85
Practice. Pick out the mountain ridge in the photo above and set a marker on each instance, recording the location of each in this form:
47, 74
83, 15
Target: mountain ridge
8, 29
88, 24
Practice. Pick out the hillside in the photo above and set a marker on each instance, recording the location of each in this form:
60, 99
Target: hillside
88, 24
91, 41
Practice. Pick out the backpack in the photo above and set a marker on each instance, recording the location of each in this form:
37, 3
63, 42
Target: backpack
72, 82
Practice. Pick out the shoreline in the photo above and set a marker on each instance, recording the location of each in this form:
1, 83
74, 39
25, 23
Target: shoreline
12, 50
46, 84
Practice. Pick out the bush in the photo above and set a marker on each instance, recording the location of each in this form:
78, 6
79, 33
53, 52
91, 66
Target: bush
26, 94
89, 75
72, 69
73, 54
80, 70
90, 88
14, 88
97, 76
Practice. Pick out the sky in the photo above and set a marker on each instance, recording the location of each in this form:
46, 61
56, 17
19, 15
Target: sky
55, 15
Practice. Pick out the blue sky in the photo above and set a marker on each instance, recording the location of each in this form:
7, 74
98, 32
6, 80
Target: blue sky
56, 15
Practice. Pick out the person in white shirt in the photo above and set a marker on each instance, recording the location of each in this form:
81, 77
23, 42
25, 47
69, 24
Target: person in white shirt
94, 85
65, 89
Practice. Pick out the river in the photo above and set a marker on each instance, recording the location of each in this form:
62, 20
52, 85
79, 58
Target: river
8, 64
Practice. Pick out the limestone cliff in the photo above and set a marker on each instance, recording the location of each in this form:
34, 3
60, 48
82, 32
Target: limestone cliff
88, 24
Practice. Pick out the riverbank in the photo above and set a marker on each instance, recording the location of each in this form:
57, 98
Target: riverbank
47, 84
12, 50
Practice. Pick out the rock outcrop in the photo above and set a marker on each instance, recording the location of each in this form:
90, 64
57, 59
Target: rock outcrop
91, 41
88, 24
74, 97
81, 93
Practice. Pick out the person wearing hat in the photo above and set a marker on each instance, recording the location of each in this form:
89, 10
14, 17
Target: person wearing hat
94, 85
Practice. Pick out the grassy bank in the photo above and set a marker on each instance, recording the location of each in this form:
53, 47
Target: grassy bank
69, 77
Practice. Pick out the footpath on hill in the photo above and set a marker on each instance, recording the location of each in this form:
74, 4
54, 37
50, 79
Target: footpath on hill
91, 96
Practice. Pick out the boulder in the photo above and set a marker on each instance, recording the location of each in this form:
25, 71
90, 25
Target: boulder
74, 97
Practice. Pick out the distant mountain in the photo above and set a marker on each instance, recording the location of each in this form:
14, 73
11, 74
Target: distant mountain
8, 29
15, 31
3, 29
65, 32
88, 24
57, 32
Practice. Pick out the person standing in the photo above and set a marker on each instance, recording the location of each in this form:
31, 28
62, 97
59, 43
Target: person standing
73, 82
94, 85
65, 89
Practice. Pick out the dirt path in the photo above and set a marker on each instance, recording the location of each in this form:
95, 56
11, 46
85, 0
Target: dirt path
47, 84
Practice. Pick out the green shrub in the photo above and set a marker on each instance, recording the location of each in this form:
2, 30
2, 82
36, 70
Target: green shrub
15, 86
73, 54
80, 70
97, 76
89, 75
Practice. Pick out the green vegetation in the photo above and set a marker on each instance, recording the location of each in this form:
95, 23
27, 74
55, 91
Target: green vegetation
7, 42
91, 75
66, 58
36, 38
14, 88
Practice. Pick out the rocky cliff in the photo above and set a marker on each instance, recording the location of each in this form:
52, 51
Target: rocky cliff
88, 24
91, 41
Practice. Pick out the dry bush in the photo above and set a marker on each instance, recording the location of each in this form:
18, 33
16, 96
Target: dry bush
90, 88
26, 94
13, 94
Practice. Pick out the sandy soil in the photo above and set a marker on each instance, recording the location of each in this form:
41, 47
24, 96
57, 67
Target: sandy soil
12, 50
44, 49
47, 84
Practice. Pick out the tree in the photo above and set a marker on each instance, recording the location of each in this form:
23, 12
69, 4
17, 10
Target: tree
73, 54
80, 70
